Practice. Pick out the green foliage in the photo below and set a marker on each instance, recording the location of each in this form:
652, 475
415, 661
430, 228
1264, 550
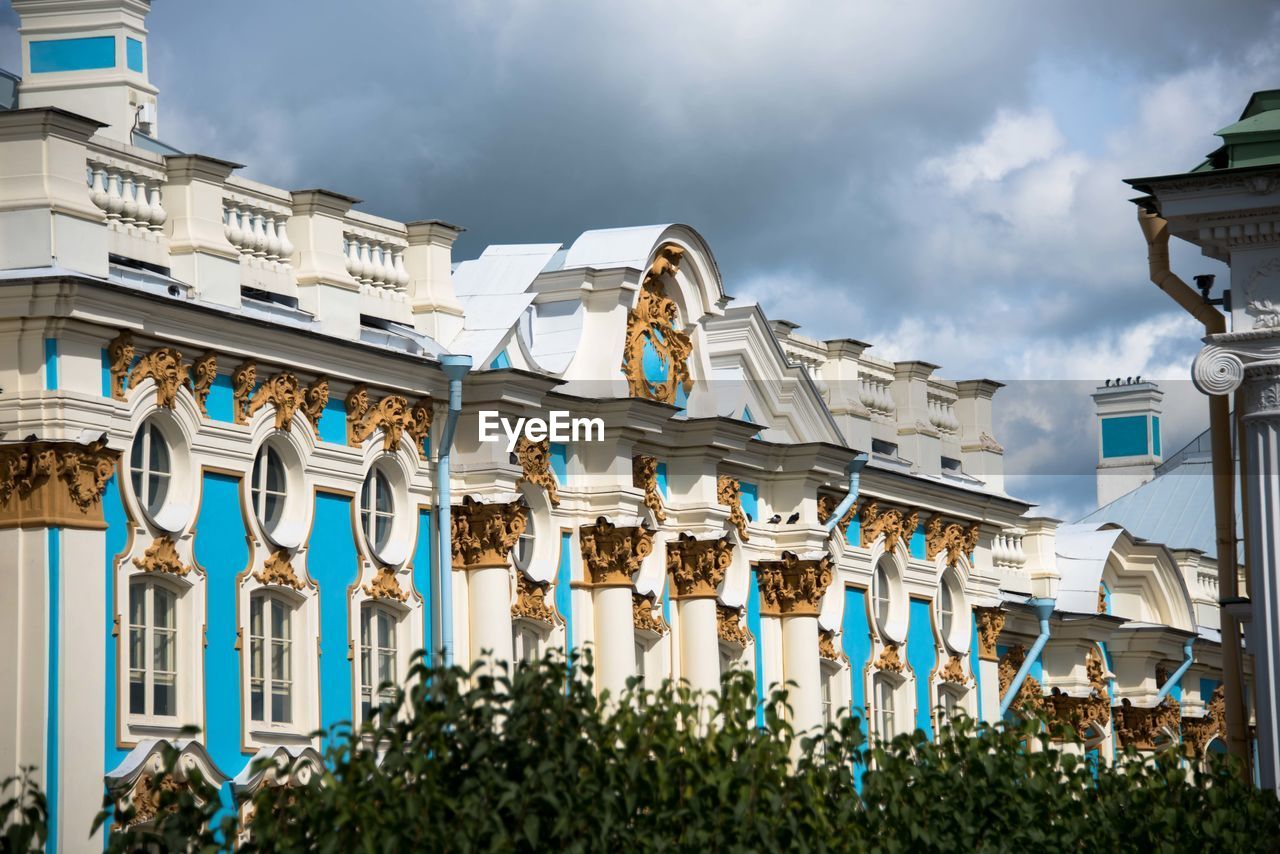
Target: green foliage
24, 814
466, 762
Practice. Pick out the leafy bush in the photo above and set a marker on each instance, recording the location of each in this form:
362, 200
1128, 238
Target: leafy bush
536, 761
24, 814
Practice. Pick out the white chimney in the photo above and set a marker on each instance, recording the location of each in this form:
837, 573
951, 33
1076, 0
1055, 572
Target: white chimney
89, 57
1128, 435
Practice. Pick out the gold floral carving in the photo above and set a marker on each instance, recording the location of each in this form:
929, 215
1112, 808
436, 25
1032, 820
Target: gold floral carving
484, 534
697, 566
164, 365
889, 659
385, 586
730, 627
645, 615
277, 569
162, 556
1102, 599
203, 372
827, 505
652, 322
531, 599
284, 392
896, 525
729, 494
793, 586
54, 483
954, 538
1083, 713
990, 625
827, 645
535, 462
644, 475
953, 671
612, 555
1147, 729
120, 352
145, 797
315, 398
392, 415
243, 380
1030, 696
1198, 732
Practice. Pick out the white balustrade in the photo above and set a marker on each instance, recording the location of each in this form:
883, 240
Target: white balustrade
377, 263
1007, 552
130, 198
874, 394
257, 232
942, 414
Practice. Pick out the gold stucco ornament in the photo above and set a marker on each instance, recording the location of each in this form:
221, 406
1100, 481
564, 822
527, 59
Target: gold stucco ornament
729, 494
953, 538
535, 465
644, 475
162, 556
484, 534
612, 555
697, 567
532, 602
793, 586
392, 414
896, 525
385, 586
652, 324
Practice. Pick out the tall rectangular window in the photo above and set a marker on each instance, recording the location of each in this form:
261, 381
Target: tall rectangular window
270, 659
153, 649
377, 658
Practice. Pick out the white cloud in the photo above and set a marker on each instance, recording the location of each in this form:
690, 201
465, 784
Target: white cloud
1013, 141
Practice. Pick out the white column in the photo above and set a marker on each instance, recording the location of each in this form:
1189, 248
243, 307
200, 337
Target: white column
699, 644
989, 680
489, 595
1262, 447
615, 657
800, 665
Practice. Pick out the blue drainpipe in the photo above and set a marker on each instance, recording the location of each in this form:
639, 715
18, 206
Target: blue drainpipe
1179, 673
455, 368
854, 470
1044, 609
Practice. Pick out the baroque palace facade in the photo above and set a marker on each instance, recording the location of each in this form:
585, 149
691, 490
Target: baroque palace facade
242, 476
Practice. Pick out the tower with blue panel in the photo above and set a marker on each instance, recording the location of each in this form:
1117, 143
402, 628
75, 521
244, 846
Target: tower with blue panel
1129, 446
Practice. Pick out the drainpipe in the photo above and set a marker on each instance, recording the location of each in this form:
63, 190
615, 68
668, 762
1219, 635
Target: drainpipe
1156, 231
455, 368
1044, 609
854, 471
1177, 674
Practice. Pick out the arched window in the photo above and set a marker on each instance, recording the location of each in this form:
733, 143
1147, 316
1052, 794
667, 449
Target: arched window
523, 552
526, 641
377, 658
949, 702
268, 487
377, 510
153, 649
881, 596
952, 625
826, 681
270, 658
884, 711
150, 467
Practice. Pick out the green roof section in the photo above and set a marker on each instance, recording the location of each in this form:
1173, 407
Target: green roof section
1254, 140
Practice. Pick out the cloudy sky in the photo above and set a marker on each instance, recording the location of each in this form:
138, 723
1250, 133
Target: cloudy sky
941, 179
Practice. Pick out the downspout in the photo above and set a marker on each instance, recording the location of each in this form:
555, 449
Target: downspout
854, 471
1044, 610
1179, 673
455, 368
1156, 231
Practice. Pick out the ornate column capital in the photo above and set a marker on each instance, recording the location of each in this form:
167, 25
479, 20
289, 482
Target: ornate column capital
54, 484
697, 566
1251, 359
793, 586
990, 625
484, 534
612, 555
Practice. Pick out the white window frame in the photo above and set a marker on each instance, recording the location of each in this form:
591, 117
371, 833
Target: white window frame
886, 718
260, 494
141, 472
370, 654
150, 587
264, 645
526, 641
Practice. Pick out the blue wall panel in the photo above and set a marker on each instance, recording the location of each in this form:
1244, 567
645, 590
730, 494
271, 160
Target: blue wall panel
117, 538
221, 400
53, 738
922, 655
560, 462
500, 361
333, 422
1155, 435
51, 364
222, 551
331, 562
133, 55
856, 635
423, 558
662, 479
753, 624
917, 545
564, 592
751, 500
1125, 436
973, 662
83, 54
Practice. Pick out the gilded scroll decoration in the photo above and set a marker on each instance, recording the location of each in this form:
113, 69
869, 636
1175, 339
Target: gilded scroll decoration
953, 671
1150, 728
284, 392
1102, 598
1030, 696
990, 625
827, 645
484, 534
315, 398
730, 626
120, 352
535, 463
793, 586
532, 599
162, 556
1198, 732
652, 324
54, 483
896, 525
953, 538
1092, 711
385, 586
165, 367
729, 494
392, 414
645, 615
612, 555
243, 380
203, 372
644, 475
697, 566
890, 659
828, 504
277, 569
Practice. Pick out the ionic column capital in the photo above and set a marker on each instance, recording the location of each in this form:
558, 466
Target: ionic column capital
1230, 359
